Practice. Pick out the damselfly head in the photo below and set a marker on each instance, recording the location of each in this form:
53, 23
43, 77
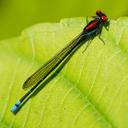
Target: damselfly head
103, 18
101, 15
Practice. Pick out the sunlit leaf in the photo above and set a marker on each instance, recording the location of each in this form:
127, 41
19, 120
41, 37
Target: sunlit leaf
91, 89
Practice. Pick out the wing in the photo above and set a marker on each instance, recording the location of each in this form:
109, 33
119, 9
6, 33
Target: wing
48, 67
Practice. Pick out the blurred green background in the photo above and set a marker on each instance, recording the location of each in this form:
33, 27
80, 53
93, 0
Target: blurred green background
15, 15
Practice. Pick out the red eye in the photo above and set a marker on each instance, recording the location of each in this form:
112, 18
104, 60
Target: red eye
104, 18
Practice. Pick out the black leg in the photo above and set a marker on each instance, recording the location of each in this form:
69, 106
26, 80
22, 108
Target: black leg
87, 45
107, 26
99, 35
101, 39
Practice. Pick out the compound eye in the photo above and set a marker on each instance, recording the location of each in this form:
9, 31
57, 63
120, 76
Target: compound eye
104, 18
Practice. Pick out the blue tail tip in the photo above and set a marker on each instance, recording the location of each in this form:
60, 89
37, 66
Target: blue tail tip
15, 107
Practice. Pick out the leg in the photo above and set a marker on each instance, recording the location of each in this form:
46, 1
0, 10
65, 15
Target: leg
107, 25
107, 28
99, 35
88, 43
101, 39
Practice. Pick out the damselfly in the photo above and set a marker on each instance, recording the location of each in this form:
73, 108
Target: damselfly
91, 30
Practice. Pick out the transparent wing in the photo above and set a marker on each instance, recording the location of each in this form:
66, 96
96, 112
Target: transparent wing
49, 66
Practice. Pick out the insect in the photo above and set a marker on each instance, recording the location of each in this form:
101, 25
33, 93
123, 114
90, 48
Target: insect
91, 30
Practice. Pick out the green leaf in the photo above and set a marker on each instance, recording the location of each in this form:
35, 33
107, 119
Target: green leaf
91, 89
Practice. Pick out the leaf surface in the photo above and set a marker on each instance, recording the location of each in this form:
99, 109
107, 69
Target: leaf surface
91, 89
